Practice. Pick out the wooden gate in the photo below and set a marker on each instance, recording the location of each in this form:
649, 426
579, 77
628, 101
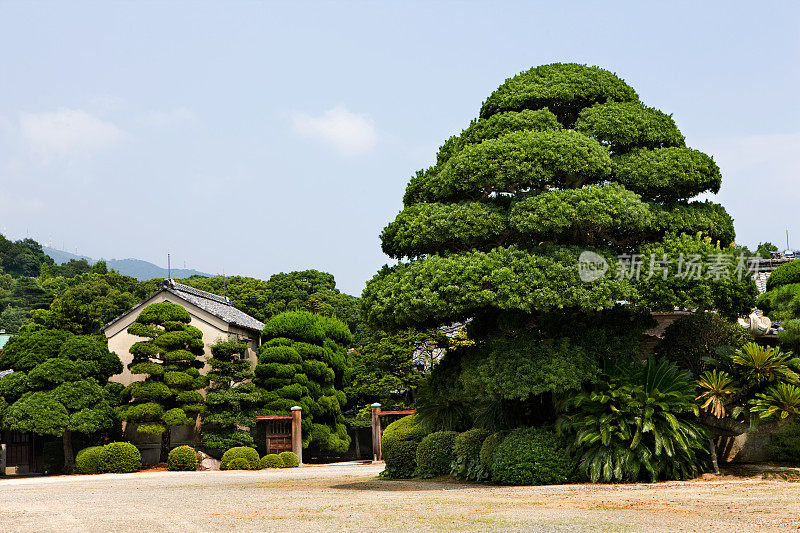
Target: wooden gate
278, 432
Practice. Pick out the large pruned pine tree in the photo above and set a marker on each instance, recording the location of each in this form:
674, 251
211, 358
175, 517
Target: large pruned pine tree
59, 386
168, 359
564, 159
231, 400
304, 362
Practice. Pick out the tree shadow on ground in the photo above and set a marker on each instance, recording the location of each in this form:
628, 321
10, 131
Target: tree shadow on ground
407, 485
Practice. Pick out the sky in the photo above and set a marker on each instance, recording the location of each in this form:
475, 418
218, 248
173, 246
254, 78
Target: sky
260, 137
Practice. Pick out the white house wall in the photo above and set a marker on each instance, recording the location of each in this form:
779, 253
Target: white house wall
120, 341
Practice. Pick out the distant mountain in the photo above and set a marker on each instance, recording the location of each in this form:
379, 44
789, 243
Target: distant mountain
137, 268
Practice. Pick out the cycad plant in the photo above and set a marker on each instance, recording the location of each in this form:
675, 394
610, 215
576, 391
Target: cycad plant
638, 425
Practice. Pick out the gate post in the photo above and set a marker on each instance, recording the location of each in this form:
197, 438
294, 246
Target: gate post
2, 459
377, 454
297, 432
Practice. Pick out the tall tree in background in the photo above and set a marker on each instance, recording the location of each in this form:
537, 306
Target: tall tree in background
306, 290
59, 386
168, 359
231, 400
564, 159
304, 362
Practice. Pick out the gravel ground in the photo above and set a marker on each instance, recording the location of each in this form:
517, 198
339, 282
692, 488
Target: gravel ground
351, 497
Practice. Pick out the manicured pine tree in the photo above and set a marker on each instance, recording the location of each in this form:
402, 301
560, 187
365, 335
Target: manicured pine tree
231, 400
168, 361
59, 386
304, 362
564, 159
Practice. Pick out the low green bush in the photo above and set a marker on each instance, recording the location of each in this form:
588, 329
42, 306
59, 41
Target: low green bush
784, 275
435, 454
120, 457
290, 459
532, 456
88, 460
488, 448
784, 445
271, 460
399, 447
182, 458
239, 463
249, 455
466, 452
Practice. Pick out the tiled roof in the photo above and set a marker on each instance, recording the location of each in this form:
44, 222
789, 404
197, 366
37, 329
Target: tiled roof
219, 306
214, 304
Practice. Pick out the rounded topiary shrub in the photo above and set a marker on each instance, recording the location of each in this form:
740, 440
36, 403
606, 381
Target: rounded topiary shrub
182, 458
271, 460
784, 275
435, 454
466, 452
247, 454
399, 447
290, 459
88, 460
120, 457
488, 448
532, 456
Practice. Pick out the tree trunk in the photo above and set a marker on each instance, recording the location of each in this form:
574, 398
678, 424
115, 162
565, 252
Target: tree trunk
165, 442
712, 448
69, 456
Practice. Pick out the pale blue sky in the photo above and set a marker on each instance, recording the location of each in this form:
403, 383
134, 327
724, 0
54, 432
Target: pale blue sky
259, 137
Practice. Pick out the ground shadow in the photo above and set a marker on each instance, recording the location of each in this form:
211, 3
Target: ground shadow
407, 485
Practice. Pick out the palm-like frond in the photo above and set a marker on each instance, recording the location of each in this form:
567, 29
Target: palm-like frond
781, 400
716, 386
763, 364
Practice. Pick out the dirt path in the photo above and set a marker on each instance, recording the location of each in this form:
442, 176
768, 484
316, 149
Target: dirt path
336, 498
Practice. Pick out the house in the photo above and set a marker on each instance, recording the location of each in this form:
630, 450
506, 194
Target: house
212, 314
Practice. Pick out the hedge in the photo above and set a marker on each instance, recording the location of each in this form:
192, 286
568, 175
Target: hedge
247, 454
182, 458
466, 452
88, 460
488, 448
290, 459
399, 446
435, 454
271, 460
785, 274
120, 457
532, 456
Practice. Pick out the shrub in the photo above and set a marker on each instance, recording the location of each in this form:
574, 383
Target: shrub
467, 451
182, 458
290, 459
271, 460
784, 275
239, 463
247, 454
401, 459
120, 457
435, 454
639, 425
488, 448
88, 460
531, 456
784, 446
399, 446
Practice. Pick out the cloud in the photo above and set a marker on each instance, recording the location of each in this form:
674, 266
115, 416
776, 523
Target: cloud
68, 132
178, 115
349, 133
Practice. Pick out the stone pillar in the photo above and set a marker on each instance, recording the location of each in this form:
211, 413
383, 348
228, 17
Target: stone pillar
376, 432
297, 432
